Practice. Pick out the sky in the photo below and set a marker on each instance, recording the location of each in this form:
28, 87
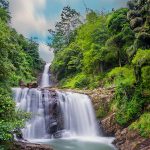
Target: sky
33, 18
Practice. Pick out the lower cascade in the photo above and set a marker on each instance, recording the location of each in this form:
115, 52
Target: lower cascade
79, 118
53, 113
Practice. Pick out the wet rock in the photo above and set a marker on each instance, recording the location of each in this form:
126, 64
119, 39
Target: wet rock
32, 85
22, 84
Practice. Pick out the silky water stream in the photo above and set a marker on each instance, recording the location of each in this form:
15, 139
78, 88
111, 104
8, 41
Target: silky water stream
67, 115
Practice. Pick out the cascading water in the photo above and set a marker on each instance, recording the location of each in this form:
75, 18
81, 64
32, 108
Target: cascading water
35, 101
79, 118
45, 82
31, 100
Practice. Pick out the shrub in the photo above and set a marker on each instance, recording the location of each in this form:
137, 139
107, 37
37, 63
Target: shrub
128, 112
142, 125
101, 112
77, 81
10, 119
122, 75
146, 76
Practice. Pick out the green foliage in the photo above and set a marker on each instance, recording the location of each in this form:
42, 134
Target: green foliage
67, 61
146, 77
4, 14
101, 112
121, 76
117, 20
64, 29
78, 81
128, 112
19, 60
142, 58
142, 125
109, 50
10, 119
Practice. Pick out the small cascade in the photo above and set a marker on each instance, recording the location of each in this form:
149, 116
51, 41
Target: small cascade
79, 117
32, 101
45, 82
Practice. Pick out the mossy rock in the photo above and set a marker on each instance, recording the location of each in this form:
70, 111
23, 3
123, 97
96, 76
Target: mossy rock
136, 22
141, 29
133, 14
144, 37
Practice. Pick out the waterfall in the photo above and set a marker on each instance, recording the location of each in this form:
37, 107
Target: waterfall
79, 117
66, 113
32, 101
45, 82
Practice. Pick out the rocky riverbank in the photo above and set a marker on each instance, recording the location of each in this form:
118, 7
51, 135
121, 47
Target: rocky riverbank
29, 146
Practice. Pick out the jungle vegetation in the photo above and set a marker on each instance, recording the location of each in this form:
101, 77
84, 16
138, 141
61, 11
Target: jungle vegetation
108, 50
19, 60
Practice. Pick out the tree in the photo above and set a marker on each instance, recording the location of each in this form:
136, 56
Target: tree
141, 59
64, 30
4, 14
4, 4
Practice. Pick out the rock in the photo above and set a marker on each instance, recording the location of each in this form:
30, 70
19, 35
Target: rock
136, 22
130, 140
32, 85
109, 125
22, 84
29, 146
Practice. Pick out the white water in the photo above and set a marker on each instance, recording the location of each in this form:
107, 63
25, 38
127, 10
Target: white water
79, 117
45, 82
33, 101
30, 100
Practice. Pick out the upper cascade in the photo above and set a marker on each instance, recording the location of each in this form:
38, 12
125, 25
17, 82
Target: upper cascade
45, 82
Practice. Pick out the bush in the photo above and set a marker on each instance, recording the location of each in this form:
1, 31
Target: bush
101, 112
77, 81
142, 125
121, 75
128, 112
146, 76
141, 58
10, 119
